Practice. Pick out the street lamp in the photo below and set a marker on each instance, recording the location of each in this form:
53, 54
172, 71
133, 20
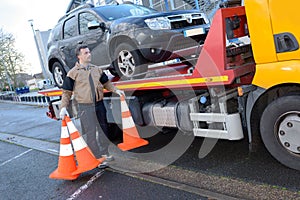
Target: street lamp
38, 49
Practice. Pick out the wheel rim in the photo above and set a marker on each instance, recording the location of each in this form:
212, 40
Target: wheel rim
58, 75
126, 63
288, 131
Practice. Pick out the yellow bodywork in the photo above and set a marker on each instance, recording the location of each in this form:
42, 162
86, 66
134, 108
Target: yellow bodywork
267, 18
271, 74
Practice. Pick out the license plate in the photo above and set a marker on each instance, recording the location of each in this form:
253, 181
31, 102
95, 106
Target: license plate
195, 31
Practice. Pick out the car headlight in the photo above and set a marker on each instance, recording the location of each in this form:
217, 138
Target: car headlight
158, 23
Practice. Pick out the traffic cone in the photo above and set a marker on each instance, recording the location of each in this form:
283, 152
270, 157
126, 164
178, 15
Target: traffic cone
85, 158
131, 138
66, 162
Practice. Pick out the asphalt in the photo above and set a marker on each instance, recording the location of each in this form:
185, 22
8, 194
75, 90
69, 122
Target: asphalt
24, 175
228, 169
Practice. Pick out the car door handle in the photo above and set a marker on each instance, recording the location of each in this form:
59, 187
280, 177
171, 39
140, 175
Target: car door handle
79, 42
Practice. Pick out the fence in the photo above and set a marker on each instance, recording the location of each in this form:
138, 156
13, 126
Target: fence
29, 99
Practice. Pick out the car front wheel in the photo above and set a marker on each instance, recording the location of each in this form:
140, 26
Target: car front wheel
58, 74
129, 62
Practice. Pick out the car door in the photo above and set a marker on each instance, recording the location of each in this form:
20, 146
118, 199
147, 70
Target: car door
69, 42
94, 37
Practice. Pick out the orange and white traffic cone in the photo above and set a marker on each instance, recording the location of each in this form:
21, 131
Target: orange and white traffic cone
85, 158
66, 162
131, 138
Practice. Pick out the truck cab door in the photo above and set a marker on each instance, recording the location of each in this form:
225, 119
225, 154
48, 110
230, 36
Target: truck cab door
285, 23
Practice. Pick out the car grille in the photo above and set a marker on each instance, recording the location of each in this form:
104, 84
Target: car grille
186, 20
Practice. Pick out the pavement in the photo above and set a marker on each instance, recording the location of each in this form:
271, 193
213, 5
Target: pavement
229, 171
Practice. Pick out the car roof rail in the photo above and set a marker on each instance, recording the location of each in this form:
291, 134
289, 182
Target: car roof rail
70, 10
87, 5
115, 1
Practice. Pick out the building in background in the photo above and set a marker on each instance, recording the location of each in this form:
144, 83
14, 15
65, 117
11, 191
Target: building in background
209, 7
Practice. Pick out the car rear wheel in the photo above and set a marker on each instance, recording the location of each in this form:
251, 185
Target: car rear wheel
129, 62
280, 130
59, 74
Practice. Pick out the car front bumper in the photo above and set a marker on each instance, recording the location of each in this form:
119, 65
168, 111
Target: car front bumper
157, 46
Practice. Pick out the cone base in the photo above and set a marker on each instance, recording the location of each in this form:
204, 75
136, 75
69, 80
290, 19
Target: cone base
132, 145
64, 176
90, 166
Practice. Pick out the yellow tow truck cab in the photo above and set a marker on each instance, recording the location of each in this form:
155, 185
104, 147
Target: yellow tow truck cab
273, 108
275, 35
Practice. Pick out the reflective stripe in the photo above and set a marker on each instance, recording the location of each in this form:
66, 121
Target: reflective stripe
51, 93
79, 144
131, 132
127, 122
124, 106
71, 127
64, 132
65, 150
183, 82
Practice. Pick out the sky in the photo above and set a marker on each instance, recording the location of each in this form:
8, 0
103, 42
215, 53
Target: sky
14, 16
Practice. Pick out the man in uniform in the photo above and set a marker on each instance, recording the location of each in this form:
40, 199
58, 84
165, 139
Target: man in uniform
86, 82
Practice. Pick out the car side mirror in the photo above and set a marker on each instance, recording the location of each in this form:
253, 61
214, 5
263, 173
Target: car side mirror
94, 25
102, 25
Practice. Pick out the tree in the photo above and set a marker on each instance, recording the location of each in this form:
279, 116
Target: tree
11, 60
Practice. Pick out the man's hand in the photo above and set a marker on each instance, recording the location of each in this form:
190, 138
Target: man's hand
63, 113
120, 92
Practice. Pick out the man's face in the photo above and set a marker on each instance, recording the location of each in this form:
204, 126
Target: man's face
84, 56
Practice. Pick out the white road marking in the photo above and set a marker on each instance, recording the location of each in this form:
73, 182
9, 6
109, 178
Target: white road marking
2, 164
85, 186
52, 150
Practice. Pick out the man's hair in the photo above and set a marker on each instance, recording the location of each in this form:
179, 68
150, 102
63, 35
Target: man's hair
77, 50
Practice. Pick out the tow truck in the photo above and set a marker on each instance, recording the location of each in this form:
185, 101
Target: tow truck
245, 83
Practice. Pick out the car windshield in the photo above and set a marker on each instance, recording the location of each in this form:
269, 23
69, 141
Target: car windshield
119, 11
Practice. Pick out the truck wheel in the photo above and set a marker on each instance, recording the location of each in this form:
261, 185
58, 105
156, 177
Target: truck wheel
59, 74
129, 62
280, 130
115, 133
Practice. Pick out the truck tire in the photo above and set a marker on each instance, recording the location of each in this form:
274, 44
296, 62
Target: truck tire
115, 132
129, 62
58, 74
280, 130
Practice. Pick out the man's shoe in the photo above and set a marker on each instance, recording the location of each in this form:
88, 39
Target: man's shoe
108, 158
103, 165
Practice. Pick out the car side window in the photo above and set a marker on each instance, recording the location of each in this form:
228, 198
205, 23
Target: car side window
70, 28
84, 19
55, 33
